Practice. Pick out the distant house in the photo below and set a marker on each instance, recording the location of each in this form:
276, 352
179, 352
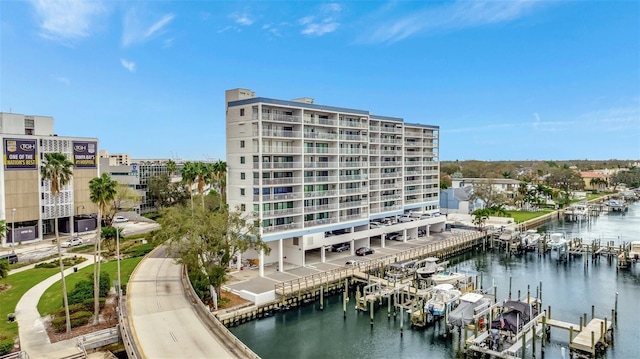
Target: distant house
595, 180
457, 200
505, 185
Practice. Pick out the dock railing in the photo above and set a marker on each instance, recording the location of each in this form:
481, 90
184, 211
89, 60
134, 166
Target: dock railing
318, 279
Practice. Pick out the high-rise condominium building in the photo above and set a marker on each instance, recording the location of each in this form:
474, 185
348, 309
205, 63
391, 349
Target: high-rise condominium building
316, 175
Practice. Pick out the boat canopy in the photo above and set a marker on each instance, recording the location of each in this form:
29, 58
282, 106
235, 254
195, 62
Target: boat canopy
515, 315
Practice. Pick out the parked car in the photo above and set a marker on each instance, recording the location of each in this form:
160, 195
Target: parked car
363, 251
406, 218
119, 219
422, 232
373, 225
425, 216
11, 257
71, 242
340, 247
394, 236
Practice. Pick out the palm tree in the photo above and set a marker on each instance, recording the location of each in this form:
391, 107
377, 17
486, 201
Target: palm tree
3, 230
220, 177
203, 175
171, 167
189, 177
102, 191
57, 169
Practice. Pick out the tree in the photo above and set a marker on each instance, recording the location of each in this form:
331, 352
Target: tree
207, 242
480, 217
630, 178
220, 178
3, 229
487, 193
171, 167
57, 169
565, 179
109, 234
164, 193
102, 191
4, 268
126, 199
189, 174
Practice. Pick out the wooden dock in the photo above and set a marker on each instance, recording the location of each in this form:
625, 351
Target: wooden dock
592, 339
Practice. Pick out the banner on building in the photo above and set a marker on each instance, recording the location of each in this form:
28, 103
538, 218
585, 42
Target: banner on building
85, 154
20, 154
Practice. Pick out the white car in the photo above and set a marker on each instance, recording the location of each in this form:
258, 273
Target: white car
71, 242
119, 219
373, 225
406, 218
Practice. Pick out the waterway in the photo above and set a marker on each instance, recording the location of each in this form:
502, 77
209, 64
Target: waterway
570, 289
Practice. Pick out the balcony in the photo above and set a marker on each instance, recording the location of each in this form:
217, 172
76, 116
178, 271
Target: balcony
320, 150
268, 165
390, 174
353, 138
390, 186
320, 179
391, 163
353, 190
320, 222
278, 118
321, 165
279, 133
413, 181
321, 135
281, 228
284, 180
320, 121
390, 197
351, 164
412, 191
352, 204
281, 212
321, 208
353, 177
353, 124
352, 217
413, 163
390, 129
351, 151
314, 194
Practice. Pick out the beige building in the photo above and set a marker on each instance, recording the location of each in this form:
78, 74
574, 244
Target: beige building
26, 203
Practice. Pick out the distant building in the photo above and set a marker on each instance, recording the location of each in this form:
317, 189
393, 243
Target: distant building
135, 174
26, 203
595, 180
458, 200
504, 185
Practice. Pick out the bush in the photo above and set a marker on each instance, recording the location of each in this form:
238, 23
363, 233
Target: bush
6, 345
87, 305
83, 291
139, 250
46, 265
59, 324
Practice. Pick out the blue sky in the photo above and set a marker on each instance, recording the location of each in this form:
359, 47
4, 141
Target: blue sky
505, 80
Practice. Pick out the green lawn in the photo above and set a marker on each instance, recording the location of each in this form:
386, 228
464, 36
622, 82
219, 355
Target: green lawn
20, 283
52, 297
522, 216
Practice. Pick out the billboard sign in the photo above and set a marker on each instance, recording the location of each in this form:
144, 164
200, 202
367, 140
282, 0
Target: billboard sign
85, 154
20, 154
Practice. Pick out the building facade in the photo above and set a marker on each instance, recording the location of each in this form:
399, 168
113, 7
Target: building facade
26, 202
307, 170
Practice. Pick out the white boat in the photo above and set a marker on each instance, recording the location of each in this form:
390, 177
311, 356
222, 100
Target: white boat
556, 240
443, 299
634, 251
464, 314
530, 238
447, 277
430, 267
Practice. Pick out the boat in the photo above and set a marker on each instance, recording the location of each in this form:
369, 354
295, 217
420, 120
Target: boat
469, 305
513, 316
577, 211
443, 299
634, 250
530, 238
400, 270
447, 277
430, 267
556, 240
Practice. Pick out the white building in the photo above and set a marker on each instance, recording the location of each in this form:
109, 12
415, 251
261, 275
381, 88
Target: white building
306, 170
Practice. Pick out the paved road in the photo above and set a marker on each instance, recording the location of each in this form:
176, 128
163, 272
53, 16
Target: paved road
164, 323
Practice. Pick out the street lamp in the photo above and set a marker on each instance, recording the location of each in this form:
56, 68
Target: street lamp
118, 254
13, 228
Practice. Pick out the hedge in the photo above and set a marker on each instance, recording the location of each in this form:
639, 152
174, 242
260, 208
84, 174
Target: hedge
59, 324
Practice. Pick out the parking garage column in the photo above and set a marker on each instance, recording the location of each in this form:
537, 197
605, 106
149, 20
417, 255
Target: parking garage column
261, 257
71, 225
280, 256
428, 230
352, 249
322, 254
383, 238
404, 235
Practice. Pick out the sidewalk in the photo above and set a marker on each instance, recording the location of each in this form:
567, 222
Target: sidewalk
33, 335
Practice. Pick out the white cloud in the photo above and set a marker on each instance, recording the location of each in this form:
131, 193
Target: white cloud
458, 15
323, 23
61, 79
242, 18
129, 65
138, 31
65, 20
320, 29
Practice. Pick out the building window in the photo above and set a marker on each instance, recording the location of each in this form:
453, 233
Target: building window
242, 191
242, 159
242, 112
243, 207
241, 143
241, 175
